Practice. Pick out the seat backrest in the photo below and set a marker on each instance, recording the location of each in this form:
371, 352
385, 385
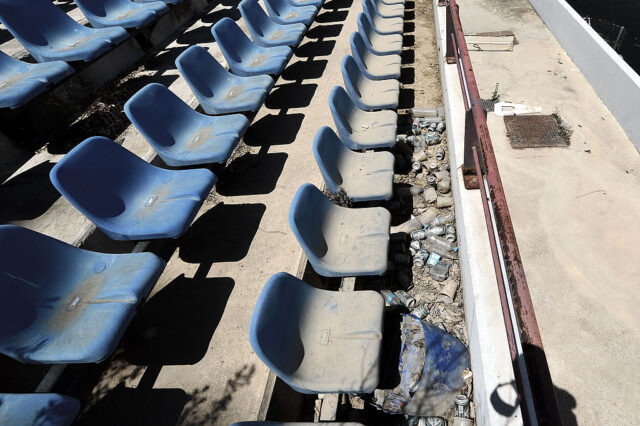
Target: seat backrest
369, 9
202, 71
278, 6
10, 66
365, 27
37, 22
99, 176
232, 41
358, 49
159, 114
100, 8
274, 332
351, 75
328, 149
307, 214
257, 20
341, 107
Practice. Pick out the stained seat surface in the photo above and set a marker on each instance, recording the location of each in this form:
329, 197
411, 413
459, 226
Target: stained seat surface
375, 67
340, 241
180, 135
244, 57
360, 129
123, 13
390, 44
126, 197
318, 340
217, 90
266, 32
388, 10
382, 25
62, 304
283, 12
362, 176
20, 81
37, 409
50, 35
368, 94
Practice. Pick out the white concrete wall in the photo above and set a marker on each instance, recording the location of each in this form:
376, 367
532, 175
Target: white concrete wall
616, 83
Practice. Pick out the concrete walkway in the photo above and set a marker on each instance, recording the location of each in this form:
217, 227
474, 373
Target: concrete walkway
575, 213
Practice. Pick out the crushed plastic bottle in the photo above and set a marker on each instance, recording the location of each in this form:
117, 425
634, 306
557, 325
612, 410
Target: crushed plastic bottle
443, 219
441, 242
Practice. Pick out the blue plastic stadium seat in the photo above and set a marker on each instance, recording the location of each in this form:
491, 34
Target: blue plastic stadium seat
264, 31
126, 197
391, 1
123, 13
20, 82
315, 3
388, 10
360, 129
316, 340
375, 67
217, 90
284, 12
390, 44
244, 57
62, 304
368, 94
180, 135
50, 35
382, 25
339, 241
37, 409
364, 176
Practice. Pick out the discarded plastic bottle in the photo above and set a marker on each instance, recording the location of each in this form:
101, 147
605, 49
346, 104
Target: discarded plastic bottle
406, 299
440, 127
440, 271
432, 138
408, 226
390, 298
435, 230
443, 219
420, 234
419, 156
424, 112
462, 407
440, 242
430, 247
421, 312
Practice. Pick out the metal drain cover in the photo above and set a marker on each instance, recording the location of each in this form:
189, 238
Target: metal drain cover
535, 131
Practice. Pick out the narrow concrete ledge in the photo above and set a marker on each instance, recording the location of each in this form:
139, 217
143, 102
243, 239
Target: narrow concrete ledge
494, 390
613, 79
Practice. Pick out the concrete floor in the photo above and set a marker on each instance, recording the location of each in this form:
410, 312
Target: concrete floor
575, 215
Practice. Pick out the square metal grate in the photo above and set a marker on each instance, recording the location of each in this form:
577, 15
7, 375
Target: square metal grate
535, 131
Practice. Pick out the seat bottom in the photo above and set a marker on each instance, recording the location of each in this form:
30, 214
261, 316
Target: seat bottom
368, 176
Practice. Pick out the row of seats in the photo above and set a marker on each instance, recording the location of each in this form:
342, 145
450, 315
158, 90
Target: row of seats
320, 341
62, 304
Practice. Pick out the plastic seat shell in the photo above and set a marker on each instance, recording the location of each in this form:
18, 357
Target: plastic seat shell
374, 66
380, 24
126, 197
20, 81
283, 12
368, 94
180, 135
388, 10
42, 409
266, 32
244, 57
123, 13
340, 241
217, 90
50, 35
62, 304
390, 44
318, 340
363, 176
360, 129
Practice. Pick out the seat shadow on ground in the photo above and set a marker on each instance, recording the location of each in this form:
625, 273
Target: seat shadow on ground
305, 70
324, 31
329, 17
251, 174
27, 195
196, 36
312, 49
168, 333
291, 95
129, 406
338, 4
407, 75
272, 129
222, 234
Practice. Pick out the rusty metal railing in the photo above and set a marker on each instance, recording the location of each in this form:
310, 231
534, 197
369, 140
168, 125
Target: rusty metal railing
480, 171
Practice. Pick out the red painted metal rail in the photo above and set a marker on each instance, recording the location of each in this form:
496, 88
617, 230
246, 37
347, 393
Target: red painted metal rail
480, 167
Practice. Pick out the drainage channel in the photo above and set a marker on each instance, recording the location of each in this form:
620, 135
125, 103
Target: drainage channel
423, 260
